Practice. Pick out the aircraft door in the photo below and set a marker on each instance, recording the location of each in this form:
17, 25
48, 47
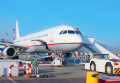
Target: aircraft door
52, 47
51, 37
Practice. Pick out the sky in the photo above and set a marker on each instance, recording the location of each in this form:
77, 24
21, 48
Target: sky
95, 18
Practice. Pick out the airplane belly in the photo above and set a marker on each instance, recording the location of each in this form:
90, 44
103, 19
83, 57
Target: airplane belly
39, 49
65, 48
54, 47
31, 49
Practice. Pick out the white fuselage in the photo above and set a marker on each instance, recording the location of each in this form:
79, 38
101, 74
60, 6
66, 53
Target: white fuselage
66, 43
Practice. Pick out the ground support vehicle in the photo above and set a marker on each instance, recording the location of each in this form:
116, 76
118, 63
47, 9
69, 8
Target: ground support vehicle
102, 63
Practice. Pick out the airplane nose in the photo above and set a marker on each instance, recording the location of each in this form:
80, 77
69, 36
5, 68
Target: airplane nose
77, 42
77, 39
72, 42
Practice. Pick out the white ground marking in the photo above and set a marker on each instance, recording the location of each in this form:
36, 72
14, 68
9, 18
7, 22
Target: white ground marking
12, 80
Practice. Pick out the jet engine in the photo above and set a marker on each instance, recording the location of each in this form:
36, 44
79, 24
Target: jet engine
9, 52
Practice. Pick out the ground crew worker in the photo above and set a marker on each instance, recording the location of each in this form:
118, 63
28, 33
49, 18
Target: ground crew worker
35, 66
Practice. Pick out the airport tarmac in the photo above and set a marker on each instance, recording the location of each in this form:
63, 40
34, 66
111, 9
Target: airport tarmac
67, 74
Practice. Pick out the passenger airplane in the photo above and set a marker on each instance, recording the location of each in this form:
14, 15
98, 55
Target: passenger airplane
60, 38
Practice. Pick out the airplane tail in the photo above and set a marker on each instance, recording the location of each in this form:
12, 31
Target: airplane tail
17, 30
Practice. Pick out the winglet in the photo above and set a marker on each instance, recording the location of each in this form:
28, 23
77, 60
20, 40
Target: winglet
17, 30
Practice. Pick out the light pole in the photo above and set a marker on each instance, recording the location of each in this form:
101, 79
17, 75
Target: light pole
6, 36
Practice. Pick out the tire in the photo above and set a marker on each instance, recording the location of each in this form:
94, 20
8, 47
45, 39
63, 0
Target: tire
38, 75
16, 57
92, 66
109, 69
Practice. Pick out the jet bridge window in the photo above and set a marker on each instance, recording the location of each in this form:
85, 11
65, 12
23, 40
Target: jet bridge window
71, 32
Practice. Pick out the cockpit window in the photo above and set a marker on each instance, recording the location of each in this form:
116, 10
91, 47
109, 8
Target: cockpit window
65, 32
61, 32
71, 32
77, 32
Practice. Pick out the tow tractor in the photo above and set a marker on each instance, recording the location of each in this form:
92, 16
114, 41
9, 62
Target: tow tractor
102, 63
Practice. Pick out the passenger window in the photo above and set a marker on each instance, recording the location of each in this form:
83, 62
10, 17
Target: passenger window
61, 32
77, 32
71, 32
65, 32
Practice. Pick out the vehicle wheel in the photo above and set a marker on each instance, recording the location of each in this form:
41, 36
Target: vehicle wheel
16, 57
92, 66
38, 75
109, 69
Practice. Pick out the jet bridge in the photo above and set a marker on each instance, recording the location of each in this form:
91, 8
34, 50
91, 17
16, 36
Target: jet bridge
93, 46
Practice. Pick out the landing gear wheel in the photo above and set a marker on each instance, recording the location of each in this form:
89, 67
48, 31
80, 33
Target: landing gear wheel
109, 69
92, 66
16, 57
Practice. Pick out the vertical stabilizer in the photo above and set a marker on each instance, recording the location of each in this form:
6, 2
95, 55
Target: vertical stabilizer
17, 30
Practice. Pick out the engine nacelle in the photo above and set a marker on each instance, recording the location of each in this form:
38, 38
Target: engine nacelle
9, 52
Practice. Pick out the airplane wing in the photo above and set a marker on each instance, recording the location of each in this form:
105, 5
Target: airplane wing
44, 44
25, 46
38, 40
20, 46
6, 42
14, 45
